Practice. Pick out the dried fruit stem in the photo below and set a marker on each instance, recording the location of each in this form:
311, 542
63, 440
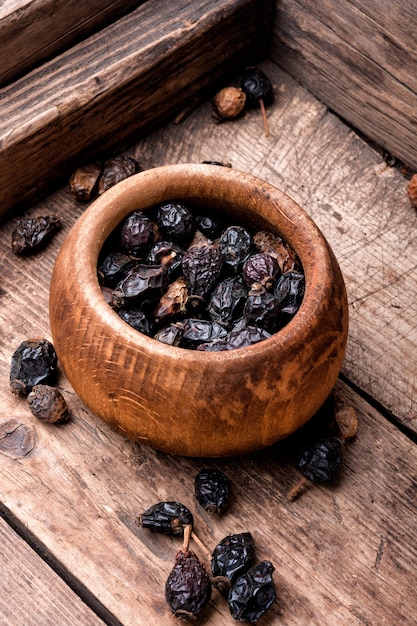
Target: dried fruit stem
264, 118
200, 545
298, 487
188, 531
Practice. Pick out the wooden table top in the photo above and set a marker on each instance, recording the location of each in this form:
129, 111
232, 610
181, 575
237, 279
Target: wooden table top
70, 494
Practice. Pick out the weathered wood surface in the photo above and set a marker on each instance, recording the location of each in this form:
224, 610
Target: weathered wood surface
119, 83
33, 31
359, 203
344, 554
360, 59
31, 592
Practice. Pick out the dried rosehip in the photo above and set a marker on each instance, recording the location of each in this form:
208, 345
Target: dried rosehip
188, 586
260, 268
253, 593
234, 245
321, 460
201, 266
212, 489
262, 308
171, 335
48, 404
34, 362
138, 234
83, 182
289, 290
114, 267
30, 235
169, 518
245, 337
197, 331
167, 254
176, 222
173, 301
137, 319
144, 284
209, 224
256, 86
228, 103
231, 558
117, 169
265, 241
227, 301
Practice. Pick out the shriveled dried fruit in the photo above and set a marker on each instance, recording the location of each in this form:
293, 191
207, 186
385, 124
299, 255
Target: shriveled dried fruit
212, 490
227, 301
262, 309
228, 103
137, 319
260, 268
138, 234
201, 265
197, 331
173, 301
167, 254
84, 181
169, 518
321, 460
34, 362
144, 284
48, 404
266, 241
171, 334
258, 90
188, 586
347, 421
253, 593
31, 234
114, 267
117, 169
231, 558
176, 222
234, 245
289, 290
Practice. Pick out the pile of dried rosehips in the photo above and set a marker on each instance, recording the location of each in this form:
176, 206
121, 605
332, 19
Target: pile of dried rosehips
248, 586
190, 279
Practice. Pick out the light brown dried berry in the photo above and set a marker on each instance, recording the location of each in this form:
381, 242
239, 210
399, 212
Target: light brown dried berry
228, 103
83, 182
173, 301
347, 421
412, 191
117, 169
48, 404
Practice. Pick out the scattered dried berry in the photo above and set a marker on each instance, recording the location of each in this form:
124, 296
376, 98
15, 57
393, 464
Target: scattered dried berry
321, 460
31, 234
212, 490
34, 362
258, 89
228, 103
169, 518
84, 181
253, 593
188, 586
231, 558
48, 404
117, 169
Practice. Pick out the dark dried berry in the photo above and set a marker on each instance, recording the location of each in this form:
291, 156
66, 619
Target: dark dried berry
144, 284
253, 593
188, 586
289, 290
234, 245
48, 404
34, 362
265, 241
176, 222
201, 265
171, 334
321, 461
167, 254
114, 267
256, 85
262, 308
212, 490
199, 331
245, 337
83, 182
169, 518
232, 557
260, 268
30, 235
227, 301
209, 224
117, 169
138, 234
137, 319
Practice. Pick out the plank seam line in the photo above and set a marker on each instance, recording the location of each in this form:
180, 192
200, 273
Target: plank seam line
58, 567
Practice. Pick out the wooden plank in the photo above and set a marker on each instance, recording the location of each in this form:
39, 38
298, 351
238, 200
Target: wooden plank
31, 592
359, 58
343, 554
119, 83
33, 31
360, 204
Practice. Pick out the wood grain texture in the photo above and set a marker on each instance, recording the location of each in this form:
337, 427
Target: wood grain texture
359, 58
344, 554
31, 593
359, 203
119, 83
33, 31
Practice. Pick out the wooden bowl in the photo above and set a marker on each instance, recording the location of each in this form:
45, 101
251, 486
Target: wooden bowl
181, 401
